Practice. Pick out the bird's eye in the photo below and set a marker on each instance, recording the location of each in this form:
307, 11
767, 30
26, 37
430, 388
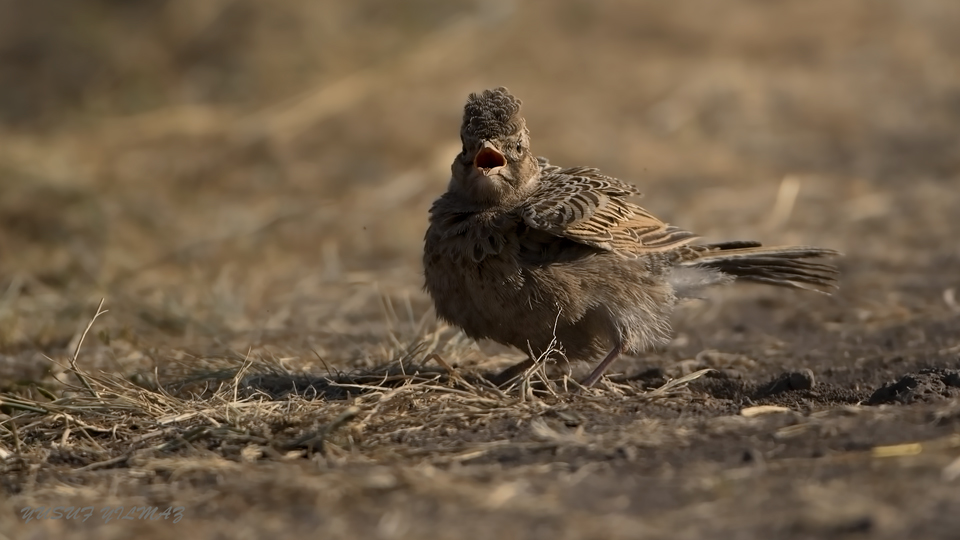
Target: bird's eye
519, 146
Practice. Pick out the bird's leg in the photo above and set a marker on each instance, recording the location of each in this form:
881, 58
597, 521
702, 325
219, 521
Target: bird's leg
598, 372
506, 375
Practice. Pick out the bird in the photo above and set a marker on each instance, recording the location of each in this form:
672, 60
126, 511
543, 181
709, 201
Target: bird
540, 257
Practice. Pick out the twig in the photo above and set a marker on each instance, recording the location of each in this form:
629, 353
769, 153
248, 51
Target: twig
76, 353
102, 464
16, 439
454, 376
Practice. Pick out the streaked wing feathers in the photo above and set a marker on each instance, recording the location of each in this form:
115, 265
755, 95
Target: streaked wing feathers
586, 206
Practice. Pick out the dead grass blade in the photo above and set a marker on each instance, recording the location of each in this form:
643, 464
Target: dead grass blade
677, 383
73, 361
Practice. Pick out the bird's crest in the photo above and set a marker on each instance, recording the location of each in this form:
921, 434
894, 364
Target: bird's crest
491, 114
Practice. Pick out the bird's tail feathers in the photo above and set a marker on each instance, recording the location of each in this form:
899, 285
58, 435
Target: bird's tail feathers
784, 266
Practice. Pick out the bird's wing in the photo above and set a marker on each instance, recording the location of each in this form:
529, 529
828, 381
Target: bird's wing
585, 206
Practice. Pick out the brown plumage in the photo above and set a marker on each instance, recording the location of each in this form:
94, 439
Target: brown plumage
521, 252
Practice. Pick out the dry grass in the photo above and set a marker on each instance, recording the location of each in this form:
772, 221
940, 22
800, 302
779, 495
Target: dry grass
255, 404
255, 411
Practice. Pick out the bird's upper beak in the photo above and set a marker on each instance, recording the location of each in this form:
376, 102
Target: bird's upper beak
489, 160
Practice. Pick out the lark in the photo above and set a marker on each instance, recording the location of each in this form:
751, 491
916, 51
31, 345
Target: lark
533, 255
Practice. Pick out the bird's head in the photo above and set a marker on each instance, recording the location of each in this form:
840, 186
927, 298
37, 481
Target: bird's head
495, 166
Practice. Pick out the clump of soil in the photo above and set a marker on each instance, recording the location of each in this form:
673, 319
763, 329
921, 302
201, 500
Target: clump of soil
925, 385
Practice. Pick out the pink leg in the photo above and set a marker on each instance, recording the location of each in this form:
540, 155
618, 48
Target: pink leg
598, 372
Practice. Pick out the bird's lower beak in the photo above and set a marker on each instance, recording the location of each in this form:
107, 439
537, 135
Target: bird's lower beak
489, 160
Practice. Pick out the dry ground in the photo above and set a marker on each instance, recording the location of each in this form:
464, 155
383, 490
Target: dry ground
246, 184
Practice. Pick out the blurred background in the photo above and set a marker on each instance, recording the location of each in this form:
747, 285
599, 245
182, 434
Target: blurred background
236, 174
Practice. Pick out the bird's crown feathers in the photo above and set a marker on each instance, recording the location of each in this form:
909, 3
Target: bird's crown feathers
491, 114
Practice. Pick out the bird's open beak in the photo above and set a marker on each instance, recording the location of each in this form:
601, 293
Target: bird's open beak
489, 160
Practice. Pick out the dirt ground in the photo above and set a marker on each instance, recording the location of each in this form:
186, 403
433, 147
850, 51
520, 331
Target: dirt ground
246, 185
